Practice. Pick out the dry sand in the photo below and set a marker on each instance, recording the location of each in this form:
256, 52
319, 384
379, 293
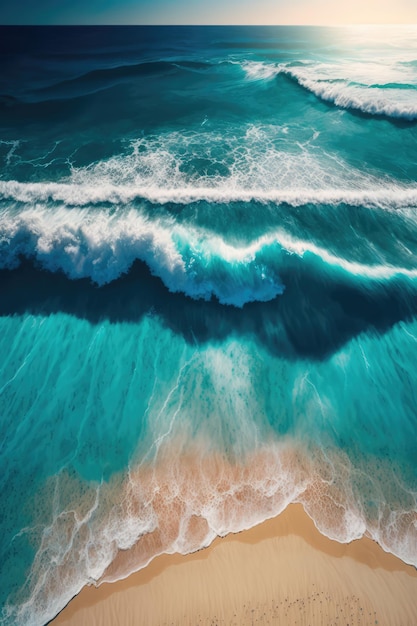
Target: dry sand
280, 572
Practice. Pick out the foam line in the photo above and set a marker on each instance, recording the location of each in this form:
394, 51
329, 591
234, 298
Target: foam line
79, 195
101, 245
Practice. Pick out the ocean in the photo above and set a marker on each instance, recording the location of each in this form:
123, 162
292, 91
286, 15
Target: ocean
208, 280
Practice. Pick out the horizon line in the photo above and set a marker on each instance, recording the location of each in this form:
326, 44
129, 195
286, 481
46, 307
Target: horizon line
333, 25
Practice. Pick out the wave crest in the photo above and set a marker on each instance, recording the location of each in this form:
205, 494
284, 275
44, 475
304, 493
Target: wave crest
394, 99
102, 246
389, 102
81, 195
95, 223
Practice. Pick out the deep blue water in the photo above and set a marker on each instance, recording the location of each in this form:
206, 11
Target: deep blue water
208, 281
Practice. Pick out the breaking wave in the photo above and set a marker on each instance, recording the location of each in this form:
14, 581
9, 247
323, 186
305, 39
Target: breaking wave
395, 100
389, 102
95, 223
78, 195
102, 246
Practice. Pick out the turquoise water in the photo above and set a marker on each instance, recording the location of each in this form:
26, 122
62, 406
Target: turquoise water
209, 294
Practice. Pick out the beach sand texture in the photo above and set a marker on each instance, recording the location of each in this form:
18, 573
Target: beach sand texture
282, 571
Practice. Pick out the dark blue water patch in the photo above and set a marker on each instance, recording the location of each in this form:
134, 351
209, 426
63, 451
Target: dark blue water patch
7, 100
35, 116
122, 110
100, 79
317, 314
36, 57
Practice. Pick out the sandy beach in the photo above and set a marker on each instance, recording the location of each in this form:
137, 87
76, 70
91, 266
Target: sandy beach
282, 571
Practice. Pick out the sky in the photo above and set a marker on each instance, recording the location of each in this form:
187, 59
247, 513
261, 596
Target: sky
208, 11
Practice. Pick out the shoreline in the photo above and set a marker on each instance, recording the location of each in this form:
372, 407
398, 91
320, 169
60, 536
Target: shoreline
282, 571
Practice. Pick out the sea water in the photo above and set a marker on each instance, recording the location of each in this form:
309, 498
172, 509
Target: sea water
208, 294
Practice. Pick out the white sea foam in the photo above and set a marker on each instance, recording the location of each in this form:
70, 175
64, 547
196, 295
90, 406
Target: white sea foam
264, 163
186, 506
91, 224
396, 103
258, 70
361, 86
376, 271
102, 246
182, 505
79, 195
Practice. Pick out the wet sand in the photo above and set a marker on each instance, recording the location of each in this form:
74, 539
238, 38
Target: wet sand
282, 571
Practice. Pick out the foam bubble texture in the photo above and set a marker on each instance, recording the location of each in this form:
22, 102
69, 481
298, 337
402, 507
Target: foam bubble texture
180, 504
374, 88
